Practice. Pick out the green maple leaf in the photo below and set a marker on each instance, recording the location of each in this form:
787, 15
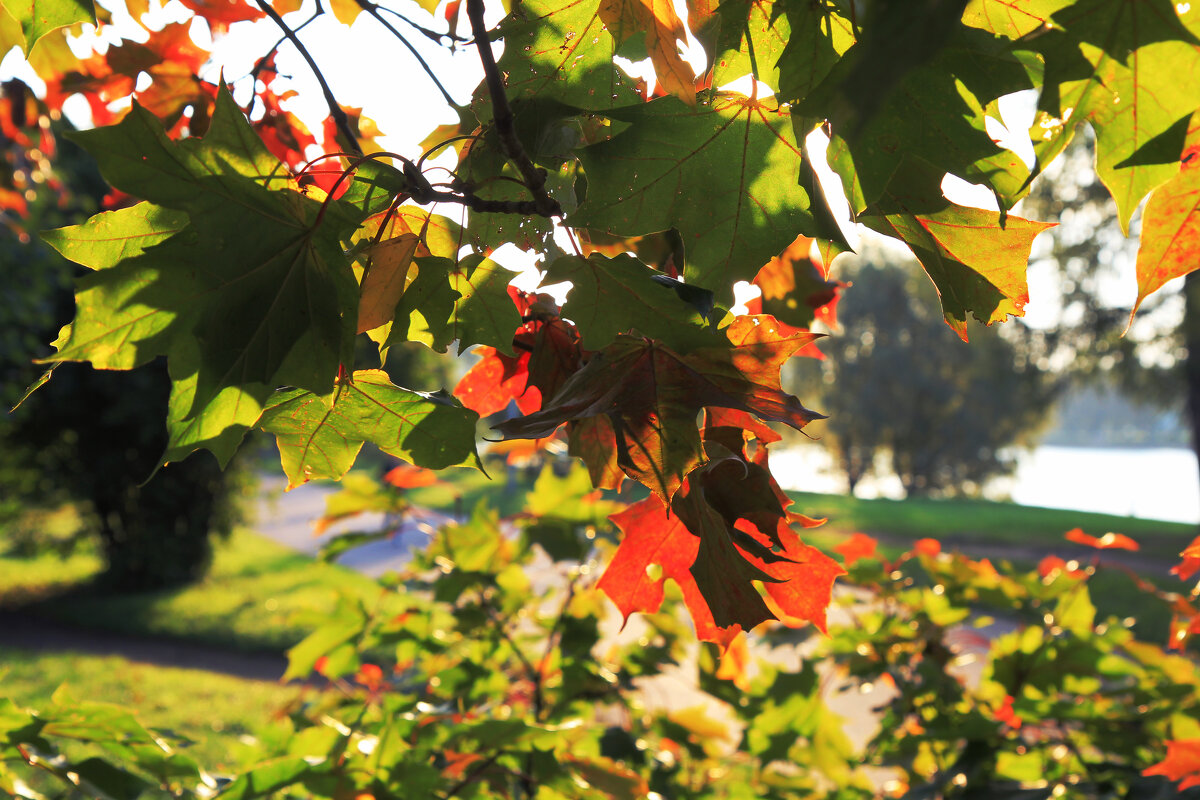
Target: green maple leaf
465, 300
736, 153
610, 296
935, 109
563, 51
270, 298
134, 304
1119, 64
820, 34
735, 29
977, 264
226, 418
320, 436
39, 17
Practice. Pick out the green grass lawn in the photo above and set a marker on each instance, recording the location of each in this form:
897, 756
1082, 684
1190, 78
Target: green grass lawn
214, 712
966, 522
258, 596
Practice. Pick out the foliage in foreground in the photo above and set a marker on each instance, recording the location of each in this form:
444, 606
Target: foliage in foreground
256, 272
490, 669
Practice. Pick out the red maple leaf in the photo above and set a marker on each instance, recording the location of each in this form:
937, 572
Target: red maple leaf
726, 530
651, 396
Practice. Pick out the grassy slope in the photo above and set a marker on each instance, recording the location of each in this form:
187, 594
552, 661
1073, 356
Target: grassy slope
966, 522
258, 596
213, 711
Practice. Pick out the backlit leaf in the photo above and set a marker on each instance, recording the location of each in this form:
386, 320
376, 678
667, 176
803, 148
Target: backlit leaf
39, 17
651, 396
739, 154
1116, 64
267, 286
1169, 245
563, 51
977, 264
384, 283
1181, 764
616, 295
663, 29
319, 437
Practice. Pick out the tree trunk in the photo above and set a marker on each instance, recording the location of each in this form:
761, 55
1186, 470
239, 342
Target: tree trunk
1191, 338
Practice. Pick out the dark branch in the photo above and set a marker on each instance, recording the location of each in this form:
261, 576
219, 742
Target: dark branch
339, 117
373, 10
534, 177
434, 35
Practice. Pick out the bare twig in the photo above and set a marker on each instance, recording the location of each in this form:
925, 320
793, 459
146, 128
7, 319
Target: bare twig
534, 177
373, 10
335, 111
473, 775
432, 34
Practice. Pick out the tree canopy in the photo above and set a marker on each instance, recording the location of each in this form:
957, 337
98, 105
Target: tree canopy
254, 268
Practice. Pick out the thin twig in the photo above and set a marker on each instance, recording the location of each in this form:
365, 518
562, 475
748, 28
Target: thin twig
432, 34
473, 775
373, 10
339, 116
502, 115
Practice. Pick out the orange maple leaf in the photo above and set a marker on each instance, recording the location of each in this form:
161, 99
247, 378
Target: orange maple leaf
1109, 541
857, 546
927, 547
407, 476
1181, 764
1191, 561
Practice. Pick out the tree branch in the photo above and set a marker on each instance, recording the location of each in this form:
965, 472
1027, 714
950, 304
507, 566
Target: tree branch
339, 117
373, 10
534, 177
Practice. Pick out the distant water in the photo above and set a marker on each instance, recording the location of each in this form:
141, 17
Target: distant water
1152, 483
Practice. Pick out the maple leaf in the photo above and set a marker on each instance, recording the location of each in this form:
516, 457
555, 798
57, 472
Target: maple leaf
563, 51
651, 396
738, 153
1114, 64
1109, 541
1191, 561
858, 546
496, 380
1171, 225
703, 545
977, 263
923, 94
385, 282
610, 296
1181, 764
39, 17
663, 30
319, 437
238, 198
549, 353
796, 290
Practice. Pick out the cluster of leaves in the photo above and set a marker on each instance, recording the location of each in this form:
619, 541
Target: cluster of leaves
488, 669
250, 271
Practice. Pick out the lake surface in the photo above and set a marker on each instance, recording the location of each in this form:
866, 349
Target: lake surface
1152, 483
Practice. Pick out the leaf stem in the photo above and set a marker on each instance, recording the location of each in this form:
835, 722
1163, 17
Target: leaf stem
335, 111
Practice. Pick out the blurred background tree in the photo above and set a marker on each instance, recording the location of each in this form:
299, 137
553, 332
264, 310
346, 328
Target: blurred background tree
899, 383
89, 437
